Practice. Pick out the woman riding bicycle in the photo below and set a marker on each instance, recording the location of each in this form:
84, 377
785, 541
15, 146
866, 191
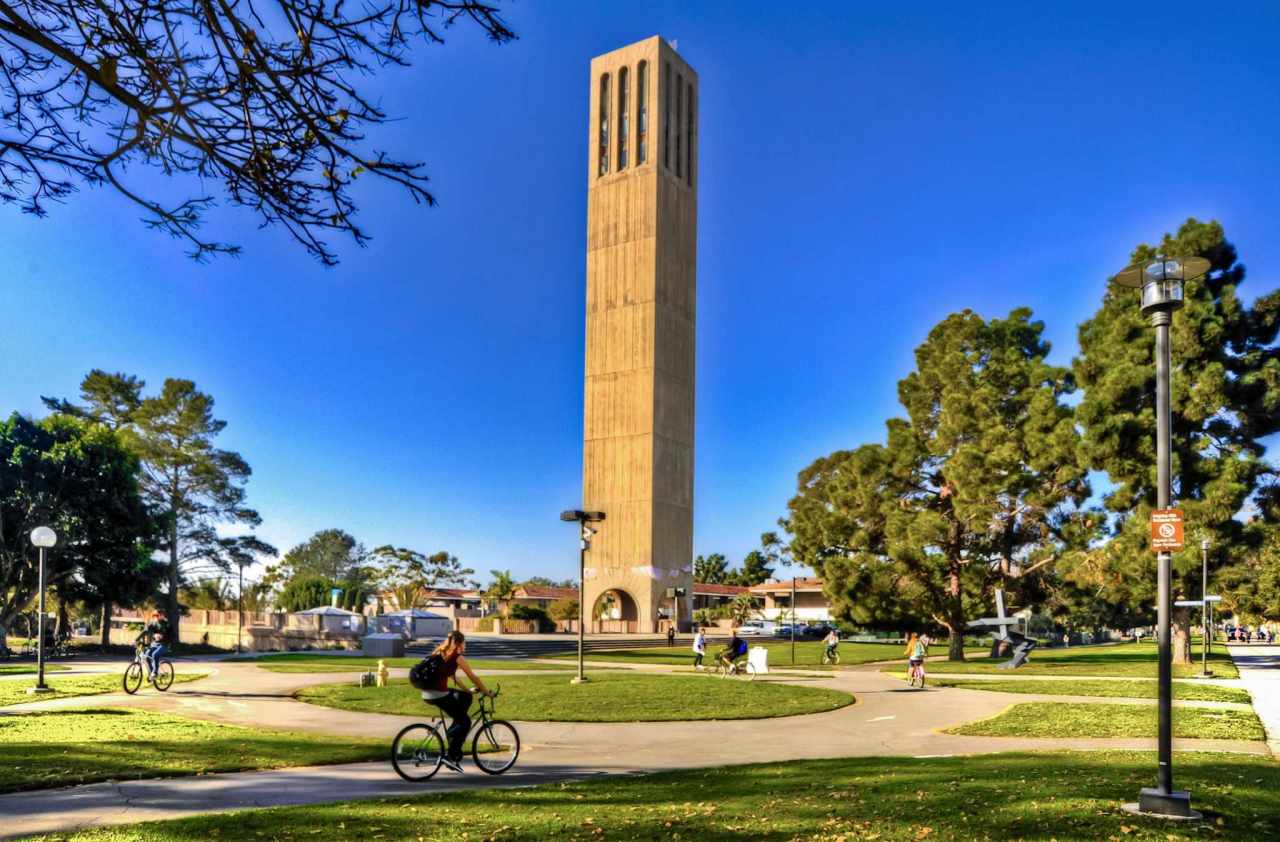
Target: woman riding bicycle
832, 641
915, 655
455, 703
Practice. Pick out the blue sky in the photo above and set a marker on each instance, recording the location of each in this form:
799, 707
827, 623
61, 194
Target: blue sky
863, 174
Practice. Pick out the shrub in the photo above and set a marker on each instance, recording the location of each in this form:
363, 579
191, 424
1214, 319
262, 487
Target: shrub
534, 613
563, 609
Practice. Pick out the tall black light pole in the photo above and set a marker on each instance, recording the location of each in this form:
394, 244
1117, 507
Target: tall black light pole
1161, 283
42, 537
585, 532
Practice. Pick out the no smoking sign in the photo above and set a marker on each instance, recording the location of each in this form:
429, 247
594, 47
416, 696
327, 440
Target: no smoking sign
1166, 530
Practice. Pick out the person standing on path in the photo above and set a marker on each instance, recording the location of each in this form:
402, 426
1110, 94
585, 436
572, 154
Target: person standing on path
699, 648
671, 634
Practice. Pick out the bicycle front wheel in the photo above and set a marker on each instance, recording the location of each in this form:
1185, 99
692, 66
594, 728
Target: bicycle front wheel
163, 678
496, 747
751, 671
417, 752
133, 678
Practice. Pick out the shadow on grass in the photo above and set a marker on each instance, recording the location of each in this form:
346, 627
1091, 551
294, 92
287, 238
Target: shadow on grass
1066, 796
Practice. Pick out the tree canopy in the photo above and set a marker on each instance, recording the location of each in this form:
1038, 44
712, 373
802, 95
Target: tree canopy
194, 485
78, 478
978, 485
270, 103
712, 569
1225, 401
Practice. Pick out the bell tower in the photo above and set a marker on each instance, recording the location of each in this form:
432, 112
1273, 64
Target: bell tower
642, 180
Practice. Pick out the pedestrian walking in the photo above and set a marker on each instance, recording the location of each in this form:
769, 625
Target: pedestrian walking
699, 648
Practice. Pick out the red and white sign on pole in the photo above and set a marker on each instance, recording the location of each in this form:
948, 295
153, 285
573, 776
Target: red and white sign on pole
1166, 530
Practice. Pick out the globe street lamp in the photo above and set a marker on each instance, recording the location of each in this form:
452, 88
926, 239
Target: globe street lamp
42, 537
585, 532
1161, 281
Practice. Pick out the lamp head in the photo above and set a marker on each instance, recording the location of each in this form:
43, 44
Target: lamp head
43, 536
1161, 280
1204, 544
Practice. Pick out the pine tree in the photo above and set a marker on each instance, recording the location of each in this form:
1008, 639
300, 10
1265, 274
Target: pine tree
1225, 401
978, 485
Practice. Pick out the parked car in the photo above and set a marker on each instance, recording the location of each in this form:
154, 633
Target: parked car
752, 630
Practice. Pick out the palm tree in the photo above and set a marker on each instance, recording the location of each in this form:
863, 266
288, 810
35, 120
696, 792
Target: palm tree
742, 608
501, 589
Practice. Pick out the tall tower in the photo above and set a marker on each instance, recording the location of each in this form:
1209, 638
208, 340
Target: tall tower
642, 179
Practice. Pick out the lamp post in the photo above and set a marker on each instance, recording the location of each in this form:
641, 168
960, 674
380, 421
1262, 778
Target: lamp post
1161, 282
585, 532
42, 537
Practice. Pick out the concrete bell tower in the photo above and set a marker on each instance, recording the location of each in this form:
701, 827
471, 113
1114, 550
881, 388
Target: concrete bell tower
642, 212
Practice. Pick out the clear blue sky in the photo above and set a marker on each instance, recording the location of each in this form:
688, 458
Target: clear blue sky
863, 174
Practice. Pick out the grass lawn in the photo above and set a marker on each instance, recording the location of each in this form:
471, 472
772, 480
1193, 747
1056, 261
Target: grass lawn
616, 696
60, 748
1136, 689
1122, 659
808, 653
1056, 719
1067, 796
311, 662
14, 692
19, 669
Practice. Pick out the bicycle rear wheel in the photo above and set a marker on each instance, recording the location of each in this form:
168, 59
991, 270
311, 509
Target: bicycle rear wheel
163, 678
417, 752
495, 747
133, 678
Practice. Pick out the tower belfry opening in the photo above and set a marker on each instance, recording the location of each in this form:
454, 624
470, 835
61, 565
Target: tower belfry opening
641, 308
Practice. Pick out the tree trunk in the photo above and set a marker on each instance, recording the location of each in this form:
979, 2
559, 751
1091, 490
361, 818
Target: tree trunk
173, 583
1181, 636
106, 625
955, 645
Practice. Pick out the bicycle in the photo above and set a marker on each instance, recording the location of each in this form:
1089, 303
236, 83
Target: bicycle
735, 669
916, 673
418, 751
830, 656
162, 679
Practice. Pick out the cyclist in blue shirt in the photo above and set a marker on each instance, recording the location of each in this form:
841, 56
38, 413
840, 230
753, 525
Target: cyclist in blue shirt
736, 649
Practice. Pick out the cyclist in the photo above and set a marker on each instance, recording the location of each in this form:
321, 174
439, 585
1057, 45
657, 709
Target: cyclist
455, 703
832, 640
156, 636
736, 649
915, 656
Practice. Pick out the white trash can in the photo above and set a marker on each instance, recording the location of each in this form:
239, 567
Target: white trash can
758, 660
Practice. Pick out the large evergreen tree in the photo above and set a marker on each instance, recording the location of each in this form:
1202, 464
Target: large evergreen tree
977, 485
712, 569
1225, 400
77, 478
196, 486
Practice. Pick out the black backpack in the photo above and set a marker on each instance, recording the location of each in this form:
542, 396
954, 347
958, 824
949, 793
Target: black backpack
423, 674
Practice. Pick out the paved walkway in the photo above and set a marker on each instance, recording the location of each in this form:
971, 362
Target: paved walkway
888, 719
1260, 674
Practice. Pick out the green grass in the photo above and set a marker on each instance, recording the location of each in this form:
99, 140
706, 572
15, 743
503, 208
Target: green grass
20, 669
1059, 719
1124, 659
808, 653
14, 692
616, 696
60, 748
308, 662
1135, 689
1067, 796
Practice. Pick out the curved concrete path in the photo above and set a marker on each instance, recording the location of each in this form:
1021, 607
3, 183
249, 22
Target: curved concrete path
888, 719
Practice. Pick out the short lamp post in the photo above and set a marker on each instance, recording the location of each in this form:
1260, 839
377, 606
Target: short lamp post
584, 543
42, 537
1161, 283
